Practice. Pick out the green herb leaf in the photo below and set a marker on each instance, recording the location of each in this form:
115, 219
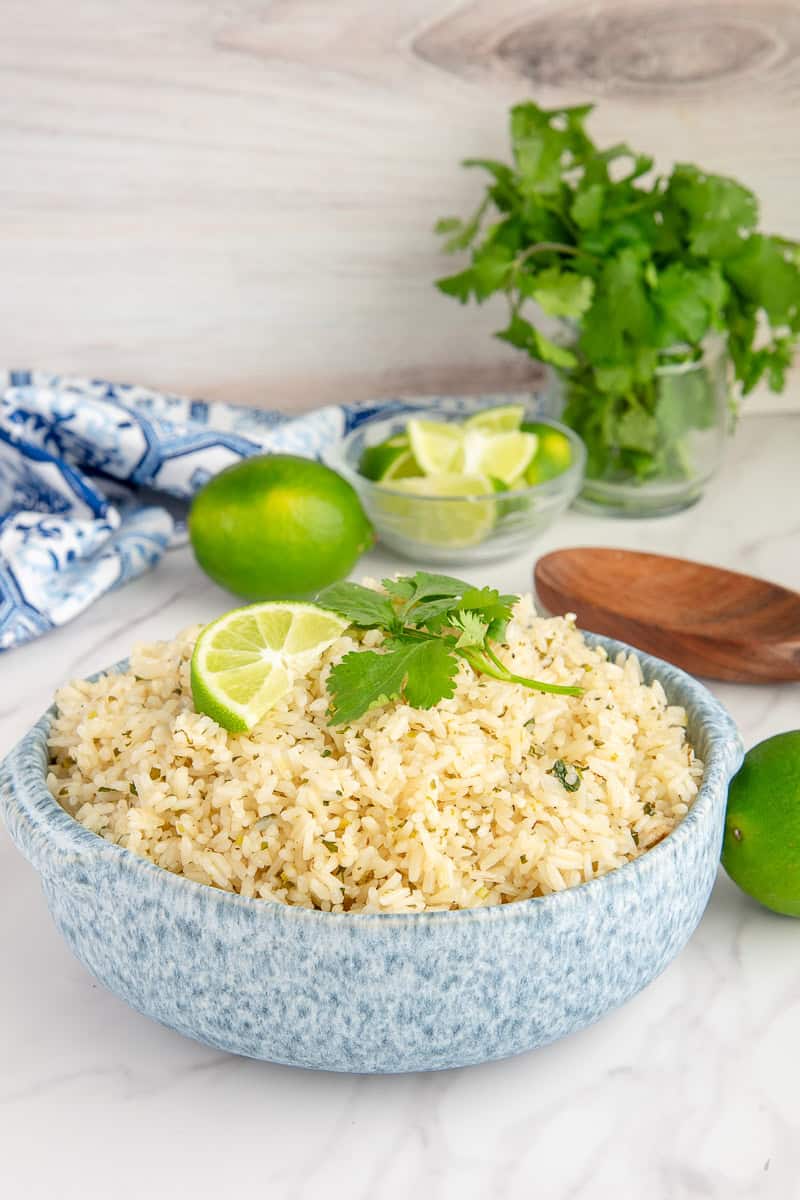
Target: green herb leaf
433, 621
587, 207
421, 672
690, 300
431, 674
568, 776
521, 333
559, 293
424, 586
491, 268
718, 210
495, 609
473, 629
641, 265
359, 605
461, 285
767, 274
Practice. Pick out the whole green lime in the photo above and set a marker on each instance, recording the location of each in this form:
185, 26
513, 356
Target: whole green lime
277, 527
761, 850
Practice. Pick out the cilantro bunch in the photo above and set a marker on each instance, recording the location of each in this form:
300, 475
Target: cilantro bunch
429, 622
639, 268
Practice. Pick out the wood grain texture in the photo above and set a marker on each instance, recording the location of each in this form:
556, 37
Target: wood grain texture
236, 199
715, 623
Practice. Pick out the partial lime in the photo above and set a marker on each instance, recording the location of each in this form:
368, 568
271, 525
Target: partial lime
277, 527
441, 520
437, 446
405, 466
761, 850
553, 454
244, 662
377, 460
504, 418
503, 456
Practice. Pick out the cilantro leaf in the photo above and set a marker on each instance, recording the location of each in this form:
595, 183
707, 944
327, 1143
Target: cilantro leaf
473, 629
364, 679
559, 293
690, 300
431, 674
587, 207
433, 614
493, 608
621, 315
637, 430
642, 267
490, 270
767, 274
423, 593
423, 586
568, 776
523, 334
422, 672
438, 621
461, 285
716, 209
401, 588
359, 605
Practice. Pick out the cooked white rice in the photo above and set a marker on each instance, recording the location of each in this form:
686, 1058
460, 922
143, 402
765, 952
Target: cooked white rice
403, 810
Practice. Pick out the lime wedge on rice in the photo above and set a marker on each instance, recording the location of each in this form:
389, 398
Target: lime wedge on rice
454, 512
503, 456
245, 661
503, 418
436, 445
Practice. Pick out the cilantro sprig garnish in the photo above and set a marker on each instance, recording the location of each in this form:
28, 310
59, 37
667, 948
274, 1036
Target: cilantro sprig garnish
429, 622
642, 267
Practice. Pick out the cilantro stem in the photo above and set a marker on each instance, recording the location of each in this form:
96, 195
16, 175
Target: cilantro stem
556, 247
486, 662
488, 649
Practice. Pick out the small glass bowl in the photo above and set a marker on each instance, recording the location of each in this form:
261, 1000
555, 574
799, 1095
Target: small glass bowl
457, 529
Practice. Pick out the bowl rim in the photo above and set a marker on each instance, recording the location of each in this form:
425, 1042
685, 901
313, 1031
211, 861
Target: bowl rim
335, 456
37, 816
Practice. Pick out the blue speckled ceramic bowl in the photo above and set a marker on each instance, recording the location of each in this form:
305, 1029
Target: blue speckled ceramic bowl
375, 992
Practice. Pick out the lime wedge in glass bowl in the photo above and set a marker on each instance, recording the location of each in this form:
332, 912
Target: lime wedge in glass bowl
530, 468
437, 446
503, 456
500, 418
452, 518
377, 461
553, 452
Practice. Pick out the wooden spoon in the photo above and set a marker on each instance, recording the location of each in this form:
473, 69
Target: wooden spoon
709, 621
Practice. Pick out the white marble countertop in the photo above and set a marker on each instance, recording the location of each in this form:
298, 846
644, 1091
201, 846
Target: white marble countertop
689, 1092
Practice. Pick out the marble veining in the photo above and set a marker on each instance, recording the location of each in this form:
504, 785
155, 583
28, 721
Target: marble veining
688, 1092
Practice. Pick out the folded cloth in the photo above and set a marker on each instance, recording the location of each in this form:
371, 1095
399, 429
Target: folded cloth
75, 458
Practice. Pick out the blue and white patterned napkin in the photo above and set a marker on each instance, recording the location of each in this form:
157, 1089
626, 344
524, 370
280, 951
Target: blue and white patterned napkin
74, 454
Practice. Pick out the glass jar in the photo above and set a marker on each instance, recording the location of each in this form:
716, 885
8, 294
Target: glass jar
653, 452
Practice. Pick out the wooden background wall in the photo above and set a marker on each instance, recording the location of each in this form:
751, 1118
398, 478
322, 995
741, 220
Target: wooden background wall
234, 198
